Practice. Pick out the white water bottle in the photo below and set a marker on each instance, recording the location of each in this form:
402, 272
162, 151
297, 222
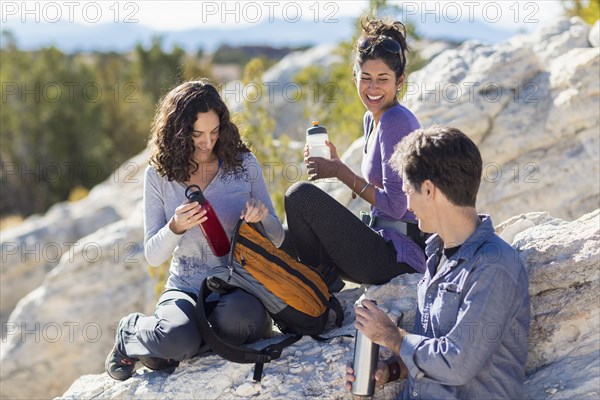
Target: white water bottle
315, 138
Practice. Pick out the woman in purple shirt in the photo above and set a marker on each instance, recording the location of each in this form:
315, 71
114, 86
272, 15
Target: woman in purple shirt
326, 234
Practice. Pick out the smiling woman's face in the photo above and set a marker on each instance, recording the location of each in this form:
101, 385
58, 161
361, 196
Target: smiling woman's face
377, 86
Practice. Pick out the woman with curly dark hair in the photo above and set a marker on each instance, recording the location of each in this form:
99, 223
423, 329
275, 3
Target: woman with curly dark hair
193, 141
329, 235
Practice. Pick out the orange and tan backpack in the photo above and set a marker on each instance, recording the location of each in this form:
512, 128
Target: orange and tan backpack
294, 294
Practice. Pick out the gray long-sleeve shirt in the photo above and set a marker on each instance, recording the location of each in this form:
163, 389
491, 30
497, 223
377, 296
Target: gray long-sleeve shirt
192, 256
470, 338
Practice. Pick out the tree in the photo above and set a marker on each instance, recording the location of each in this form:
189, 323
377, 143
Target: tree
50, 110
158, 70
588, 10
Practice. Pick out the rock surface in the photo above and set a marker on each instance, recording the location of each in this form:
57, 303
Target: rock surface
563, 262
594, 37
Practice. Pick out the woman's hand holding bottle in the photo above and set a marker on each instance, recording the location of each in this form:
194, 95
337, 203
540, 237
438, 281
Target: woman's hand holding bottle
319, 167
187, 216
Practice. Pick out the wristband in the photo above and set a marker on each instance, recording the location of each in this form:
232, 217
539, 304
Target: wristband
393, 369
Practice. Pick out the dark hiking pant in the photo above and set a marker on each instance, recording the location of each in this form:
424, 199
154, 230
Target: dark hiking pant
172, 332
324, 232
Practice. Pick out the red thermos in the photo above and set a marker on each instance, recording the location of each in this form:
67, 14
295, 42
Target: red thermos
211, 228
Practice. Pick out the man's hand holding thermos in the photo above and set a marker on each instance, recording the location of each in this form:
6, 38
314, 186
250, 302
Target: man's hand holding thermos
374, 328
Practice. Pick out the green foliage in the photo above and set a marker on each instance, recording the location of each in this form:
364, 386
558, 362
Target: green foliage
333, 99
157, 70
588, 10
230, 55
69, 120
45, 127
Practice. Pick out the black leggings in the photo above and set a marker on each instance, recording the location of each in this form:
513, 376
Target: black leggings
324, 232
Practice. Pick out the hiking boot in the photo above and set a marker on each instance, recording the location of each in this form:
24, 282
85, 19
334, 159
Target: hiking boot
118, 365
157, 364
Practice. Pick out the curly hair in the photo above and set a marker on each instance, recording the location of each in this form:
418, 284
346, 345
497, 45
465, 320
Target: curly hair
372, 30
171, 143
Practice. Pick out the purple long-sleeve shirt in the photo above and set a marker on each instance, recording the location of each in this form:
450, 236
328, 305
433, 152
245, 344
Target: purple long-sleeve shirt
391, 204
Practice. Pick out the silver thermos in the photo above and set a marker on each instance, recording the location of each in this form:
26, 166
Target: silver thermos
366, 357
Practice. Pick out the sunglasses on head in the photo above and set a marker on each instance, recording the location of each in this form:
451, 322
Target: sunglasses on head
368, 43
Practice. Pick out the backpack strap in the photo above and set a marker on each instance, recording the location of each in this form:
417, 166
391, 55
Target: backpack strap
274, 350
234, 239
320, 338
335, 305
238, 354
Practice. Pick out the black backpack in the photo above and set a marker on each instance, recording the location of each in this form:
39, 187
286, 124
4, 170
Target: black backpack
294, 294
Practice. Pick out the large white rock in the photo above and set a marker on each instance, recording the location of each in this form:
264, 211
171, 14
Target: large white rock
531, 105
34, 247
563, 262
65, 328
594, 37
557, 38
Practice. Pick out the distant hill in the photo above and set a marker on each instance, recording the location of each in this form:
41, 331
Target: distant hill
71, 37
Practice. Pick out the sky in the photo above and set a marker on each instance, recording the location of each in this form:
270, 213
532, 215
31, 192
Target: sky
511, 15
